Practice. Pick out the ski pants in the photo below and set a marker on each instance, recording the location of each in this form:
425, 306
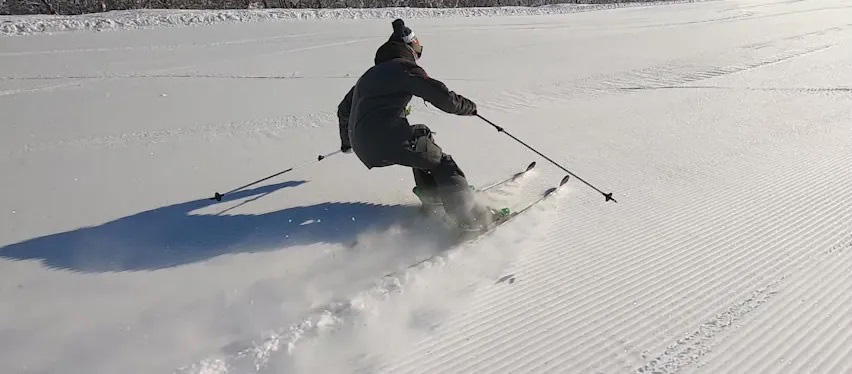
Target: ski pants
437, 172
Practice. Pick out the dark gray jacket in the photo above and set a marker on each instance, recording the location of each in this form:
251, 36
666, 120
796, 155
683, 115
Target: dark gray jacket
372, 114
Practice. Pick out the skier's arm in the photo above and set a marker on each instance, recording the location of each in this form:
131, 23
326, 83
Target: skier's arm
343, 111
437, 93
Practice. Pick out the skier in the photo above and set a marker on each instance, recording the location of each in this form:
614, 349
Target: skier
373, 124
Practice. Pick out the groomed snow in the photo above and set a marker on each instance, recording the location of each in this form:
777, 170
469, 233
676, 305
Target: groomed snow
135, 19
721, 127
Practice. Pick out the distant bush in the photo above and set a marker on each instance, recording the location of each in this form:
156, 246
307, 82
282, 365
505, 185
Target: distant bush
96, 6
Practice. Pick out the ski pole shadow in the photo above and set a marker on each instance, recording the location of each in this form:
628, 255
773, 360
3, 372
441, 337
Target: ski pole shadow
172, 236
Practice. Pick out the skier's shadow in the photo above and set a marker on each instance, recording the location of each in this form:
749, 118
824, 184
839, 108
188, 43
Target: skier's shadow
173, 235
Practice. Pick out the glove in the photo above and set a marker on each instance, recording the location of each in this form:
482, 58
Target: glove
468, 107
346, 148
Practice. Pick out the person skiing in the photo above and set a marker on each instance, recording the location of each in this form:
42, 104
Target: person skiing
373, 124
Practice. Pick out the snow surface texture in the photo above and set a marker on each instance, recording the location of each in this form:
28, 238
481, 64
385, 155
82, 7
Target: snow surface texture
135, 19
721, 127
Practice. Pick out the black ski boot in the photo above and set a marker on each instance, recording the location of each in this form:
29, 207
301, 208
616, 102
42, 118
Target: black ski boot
430, 201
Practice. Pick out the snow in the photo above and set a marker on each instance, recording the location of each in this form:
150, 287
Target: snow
147, 18
721, 127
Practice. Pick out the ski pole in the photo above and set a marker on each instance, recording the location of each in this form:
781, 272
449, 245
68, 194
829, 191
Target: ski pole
608, 196
218, 197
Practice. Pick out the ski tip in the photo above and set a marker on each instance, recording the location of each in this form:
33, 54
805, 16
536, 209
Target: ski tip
531, 166
561, 183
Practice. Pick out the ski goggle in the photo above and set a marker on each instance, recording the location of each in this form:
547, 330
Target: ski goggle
417, 47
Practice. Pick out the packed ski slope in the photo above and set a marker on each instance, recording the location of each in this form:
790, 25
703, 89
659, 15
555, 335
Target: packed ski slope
722, 128
149, 18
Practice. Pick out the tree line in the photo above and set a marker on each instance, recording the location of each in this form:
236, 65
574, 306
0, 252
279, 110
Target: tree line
69, 7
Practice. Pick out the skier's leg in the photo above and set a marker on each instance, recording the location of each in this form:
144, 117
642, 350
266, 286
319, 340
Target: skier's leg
424, 180
450, 182
426, 190
422, 155
457, 196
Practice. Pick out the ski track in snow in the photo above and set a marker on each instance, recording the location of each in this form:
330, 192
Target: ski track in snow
795, 341
206, 132
169, 72
168, 47
677, 74
37, 89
